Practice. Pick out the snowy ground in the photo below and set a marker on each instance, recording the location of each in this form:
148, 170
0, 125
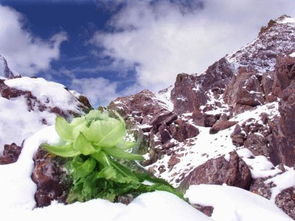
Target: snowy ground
231, 204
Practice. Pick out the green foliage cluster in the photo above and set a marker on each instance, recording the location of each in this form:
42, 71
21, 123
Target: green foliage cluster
93, 145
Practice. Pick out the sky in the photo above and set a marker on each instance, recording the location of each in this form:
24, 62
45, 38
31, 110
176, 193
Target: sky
106, 49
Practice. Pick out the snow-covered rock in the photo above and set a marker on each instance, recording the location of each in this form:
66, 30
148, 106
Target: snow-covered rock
29, 104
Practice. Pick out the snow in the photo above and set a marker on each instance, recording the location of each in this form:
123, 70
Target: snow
196, 151
272, 110
202, 148
16, 187
164, 97
17, 195
235, 204
280, 34
50, 93
282, 181
287, 20
17, 123
259, 166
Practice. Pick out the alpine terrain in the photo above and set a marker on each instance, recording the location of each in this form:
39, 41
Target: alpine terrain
225, 138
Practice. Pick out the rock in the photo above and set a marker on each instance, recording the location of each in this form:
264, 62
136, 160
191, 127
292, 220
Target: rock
27, 104
49, 178
267, 85
207, 210
5, 70
234, 172
204, 119
182, 130
186, 96
282, 140
261, 188
173, 161
286, 201
254, 134
217, 75
221, 125
258, 144
284, 74
10, 154
238, 138
141, 107
244, 90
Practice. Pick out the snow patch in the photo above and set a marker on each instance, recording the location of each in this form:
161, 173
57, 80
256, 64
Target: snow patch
200, 149
17, 123
259, 166
235, 204
50, 93
287, 20
164, 97
282, 181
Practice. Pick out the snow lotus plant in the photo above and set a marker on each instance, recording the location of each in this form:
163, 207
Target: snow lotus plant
93, 144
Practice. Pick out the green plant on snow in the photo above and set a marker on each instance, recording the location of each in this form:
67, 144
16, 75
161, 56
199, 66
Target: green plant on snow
93, 145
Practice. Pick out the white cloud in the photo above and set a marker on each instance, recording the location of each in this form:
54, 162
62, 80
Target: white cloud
25, 53
164, 41
99, 91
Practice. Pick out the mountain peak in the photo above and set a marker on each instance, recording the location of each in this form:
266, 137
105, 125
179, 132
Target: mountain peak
4, 69
277, 38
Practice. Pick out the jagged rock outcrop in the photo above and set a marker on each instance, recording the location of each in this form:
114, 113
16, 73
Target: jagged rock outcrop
4, 69
233, 172
243, 101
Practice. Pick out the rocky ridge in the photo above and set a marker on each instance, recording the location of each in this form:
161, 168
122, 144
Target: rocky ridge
232, 124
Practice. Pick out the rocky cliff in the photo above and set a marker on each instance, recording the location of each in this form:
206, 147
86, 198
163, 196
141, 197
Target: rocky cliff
232, 124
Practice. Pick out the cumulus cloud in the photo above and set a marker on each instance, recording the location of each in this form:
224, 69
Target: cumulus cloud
26, 53
164, 38
98, 90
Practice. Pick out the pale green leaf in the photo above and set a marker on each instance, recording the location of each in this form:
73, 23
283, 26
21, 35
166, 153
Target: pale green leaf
61, 150
106, 133
121, 154
96, 115
63, 129
83, 145
80, 128
82, 169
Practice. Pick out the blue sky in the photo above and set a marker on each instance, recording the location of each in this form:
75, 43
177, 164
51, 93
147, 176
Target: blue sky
106, 49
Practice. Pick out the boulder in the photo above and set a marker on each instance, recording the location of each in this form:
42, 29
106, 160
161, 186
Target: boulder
49, 178
244, 91
286, 201
234, 172
221, 125
186, 95
11, 153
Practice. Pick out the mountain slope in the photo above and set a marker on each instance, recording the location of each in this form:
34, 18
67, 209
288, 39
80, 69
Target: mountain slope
233, 124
